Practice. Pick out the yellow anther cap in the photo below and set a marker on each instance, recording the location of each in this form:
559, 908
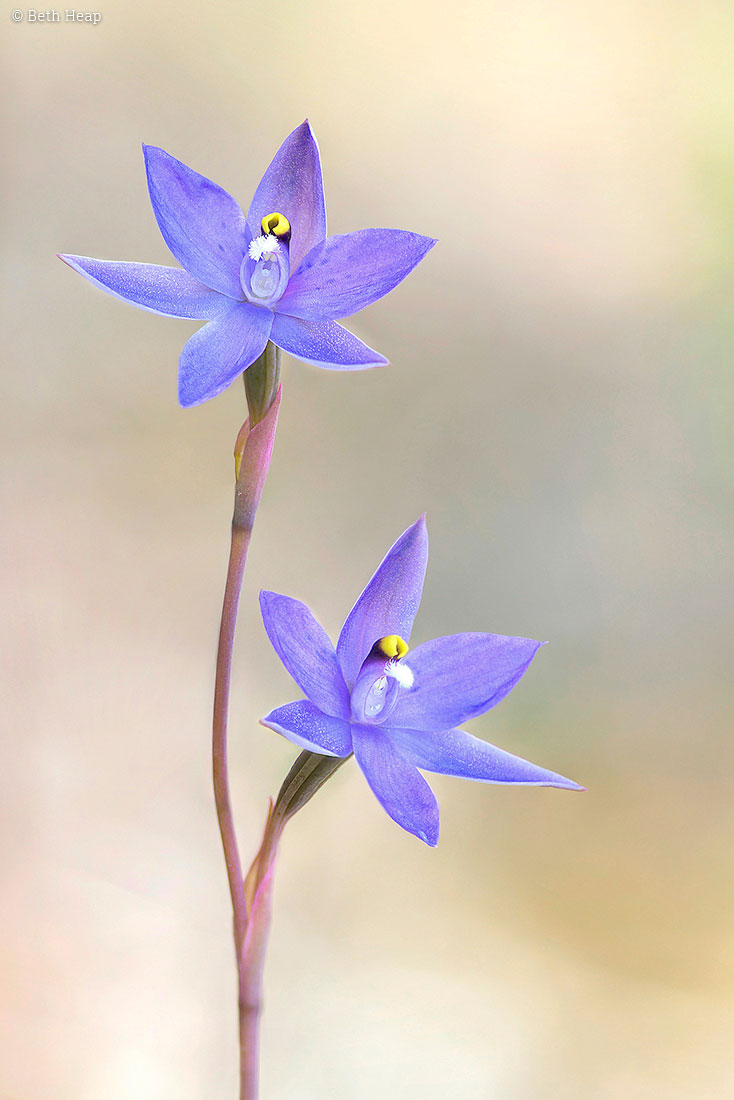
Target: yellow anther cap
393, 646
277, 224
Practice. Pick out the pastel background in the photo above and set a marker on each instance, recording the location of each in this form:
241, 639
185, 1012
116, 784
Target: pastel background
560, 405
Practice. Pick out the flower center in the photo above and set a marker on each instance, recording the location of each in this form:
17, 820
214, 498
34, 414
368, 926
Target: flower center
376, 697
380, 678
265, 246
264, 279
392, 645
277, 224
265, 268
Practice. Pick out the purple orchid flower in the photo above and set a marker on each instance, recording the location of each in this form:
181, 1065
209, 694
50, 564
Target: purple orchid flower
399, 713
270, 275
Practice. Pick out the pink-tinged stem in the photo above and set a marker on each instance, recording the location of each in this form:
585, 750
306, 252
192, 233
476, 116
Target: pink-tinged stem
306, 777
252, 457
258, 892
222, 800
252, 896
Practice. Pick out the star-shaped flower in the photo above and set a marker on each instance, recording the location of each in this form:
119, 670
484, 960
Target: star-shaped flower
399, 713
270, 275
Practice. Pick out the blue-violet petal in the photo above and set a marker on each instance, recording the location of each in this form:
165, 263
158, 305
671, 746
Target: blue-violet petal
306, 726
396, 783
293, 186
455, 752
323, 343
213, 357
202, 225
306, 651
347, 272
389, 603
165, 290
459, 677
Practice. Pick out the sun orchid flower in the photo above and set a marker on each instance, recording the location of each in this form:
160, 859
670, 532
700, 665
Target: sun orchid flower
269, 275
398, 710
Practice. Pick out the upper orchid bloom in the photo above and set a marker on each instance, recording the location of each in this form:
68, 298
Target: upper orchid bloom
269, 275
398, 712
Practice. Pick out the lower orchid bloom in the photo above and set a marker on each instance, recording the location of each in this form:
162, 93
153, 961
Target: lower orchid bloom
269, 275
398, 710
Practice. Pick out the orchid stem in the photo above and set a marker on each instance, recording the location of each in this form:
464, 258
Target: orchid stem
261, 385
237, 559
251, 895
308, 774
249, 1051
248, 1014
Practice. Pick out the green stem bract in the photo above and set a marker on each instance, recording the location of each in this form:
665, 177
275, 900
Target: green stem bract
261, 383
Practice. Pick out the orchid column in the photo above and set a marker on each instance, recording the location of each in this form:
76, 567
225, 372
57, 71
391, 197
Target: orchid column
263, 282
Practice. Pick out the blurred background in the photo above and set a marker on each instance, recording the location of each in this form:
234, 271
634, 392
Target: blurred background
559, 403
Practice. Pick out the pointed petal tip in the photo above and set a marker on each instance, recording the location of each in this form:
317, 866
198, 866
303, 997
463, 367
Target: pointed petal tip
420, 527
154, 155
431, 839
311, 133
306, 128
191, 398
417, 530
427, 243
188, 399
560, 783
152, 152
